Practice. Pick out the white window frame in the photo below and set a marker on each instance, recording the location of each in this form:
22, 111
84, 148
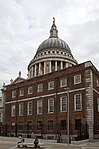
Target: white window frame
13, 94
77, 79
51, 105
29, 108
97, 82
62, 104
51, 85
30, 90
13, 110
40, 88
21, 92
20, 109
75, 102
98, 104
39, 107
63, 82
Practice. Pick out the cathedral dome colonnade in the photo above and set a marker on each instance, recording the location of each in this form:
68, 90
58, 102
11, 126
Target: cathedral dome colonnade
52, 54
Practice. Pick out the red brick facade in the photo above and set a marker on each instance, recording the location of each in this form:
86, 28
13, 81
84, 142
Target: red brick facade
49, 125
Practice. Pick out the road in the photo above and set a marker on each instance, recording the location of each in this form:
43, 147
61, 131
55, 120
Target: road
11, 143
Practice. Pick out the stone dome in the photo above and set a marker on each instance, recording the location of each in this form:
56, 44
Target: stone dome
53, 54
54, 42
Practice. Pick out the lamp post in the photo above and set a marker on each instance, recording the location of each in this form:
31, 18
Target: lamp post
16, 112
68, 114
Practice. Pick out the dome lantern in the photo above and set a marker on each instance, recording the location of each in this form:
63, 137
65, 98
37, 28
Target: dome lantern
53, 31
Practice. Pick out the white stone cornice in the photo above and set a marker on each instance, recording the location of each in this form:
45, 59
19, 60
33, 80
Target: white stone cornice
42, 96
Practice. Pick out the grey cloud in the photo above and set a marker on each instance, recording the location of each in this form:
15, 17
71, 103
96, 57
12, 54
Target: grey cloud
84, 38
26, 23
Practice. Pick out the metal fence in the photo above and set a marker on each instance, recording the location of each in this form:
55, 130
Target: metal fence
80, 132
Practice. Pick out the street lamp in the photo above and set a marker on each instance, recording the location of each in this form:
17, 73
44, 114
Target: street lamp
68, 114
16, 112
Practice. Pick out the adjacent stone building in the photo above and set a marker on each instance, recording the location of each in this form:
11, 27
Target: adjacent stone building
60, 97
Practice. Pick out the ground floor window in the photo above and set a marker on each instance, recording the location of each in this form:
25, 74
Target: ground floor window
50, 125
63, 124
78, 124
39, 125
20, 126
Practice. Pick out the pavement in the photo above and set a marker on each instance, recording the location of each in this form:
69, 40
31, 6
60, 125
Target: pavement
11, 143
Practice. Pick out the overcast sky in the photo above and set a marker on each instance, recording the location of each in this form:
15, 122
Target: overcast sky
24, 24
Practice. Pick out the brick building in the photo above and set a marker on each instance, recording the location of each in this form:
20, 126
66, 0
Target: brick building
59, 96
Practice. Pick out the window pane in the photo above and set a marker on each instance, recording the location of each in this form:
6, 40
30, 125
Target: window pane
39, 125
29, 108
30, 90
51, 85
21, 92
97, 82
63, 104
20, 126
77, 102
63, 125
63, 82
39, 107
13, 94
50, 125
77, 124
51, 105
77, 79
40, 88
13, 110
21, 109
29, 126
